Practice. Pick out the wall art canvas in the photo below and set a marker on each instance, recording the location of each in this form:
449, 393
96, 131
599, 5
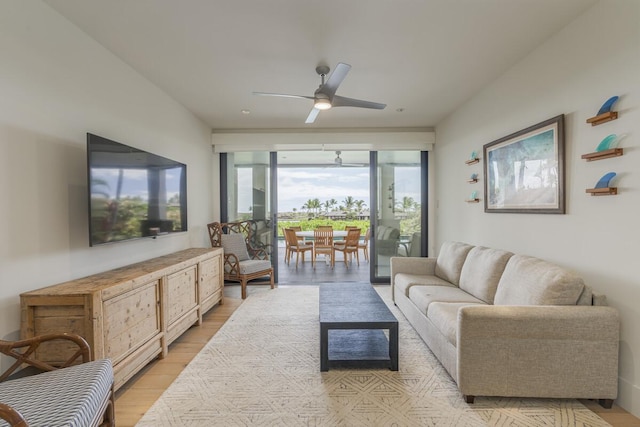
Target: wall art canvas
524, 171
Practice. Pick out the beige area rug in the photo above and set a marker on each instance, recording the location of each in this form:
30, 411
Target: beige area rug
263, 369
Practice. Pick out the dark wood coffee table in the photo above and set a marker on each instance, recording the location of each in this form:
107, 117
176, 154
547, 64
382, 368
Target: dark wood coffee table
353, 318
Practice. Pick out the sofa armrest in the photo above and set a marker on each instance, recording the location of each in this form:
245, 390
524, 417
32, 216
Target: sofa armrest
411, 265
551, 351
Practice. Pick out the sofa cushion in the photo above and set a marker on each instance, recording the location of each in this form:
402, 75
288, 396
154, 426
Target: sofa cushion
424, 296
73, 396
482, 270
531, 281
235, 243
450, 260
444, 316
404, 281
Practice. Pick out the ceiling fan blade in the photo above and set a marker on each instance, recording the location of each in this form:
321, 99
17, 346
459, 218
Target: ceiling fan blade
283, 95
312, 115
336, 77
341, 101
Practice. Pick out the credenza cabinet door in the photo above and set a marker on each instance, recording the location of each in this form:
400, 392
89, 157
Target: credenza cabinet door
211, 283
181, 301
131, 320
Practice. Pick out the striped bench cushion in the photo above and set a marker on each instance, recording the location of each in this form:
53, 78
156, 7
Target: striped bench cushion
73, 396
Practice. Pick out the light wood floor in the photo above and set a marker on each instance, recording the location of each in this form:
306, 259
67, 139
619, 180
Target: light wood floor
137, 396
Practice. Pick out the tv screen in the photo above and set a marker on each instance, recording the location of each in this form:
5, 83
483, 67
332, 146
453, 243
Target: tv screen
132, 193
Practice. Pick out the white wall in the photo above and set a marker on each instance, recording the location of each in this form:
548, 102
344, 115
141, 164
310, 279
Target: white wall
573, 73
57, 84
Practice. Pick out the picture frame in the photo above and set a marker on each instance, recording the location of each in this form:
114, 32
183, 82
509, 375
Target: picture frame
524, 171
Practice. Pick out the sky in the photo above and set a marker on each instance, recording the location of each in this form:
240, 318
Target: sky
297, 185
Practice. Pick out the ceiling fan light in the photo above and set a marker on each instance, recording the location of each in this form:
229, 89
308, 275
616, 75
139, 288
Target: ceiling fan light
322, 104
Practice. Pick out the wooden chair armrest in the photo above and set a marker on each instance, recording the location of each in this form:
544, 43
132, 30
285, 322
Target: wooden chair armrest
13, 417
231, 261
24, 350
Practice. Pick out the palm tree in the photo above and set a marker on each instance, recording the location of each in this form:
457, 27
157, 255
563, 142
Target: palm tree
408, 204
349, 202
360, 204
308, 205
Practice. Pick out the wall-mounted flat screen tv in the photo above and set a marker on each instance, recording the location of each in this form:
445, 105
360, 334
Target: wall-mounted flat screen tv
133, 193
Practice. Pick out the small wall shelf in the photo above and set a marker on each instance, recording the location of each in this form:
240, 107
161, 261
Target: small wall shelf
473, 201
606, 191
603, 118
472, 180
599, 155
472, 161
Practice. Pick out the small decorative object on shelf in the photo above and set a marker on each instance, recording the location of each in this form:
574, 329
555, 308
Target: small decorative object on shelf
473, 159
606, 148
602, 188
604, 113
473, 198
473, 178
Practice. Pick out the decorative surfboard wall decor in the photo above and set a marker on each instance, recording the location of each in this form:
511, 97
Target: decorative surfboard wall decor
605, 113
603, 186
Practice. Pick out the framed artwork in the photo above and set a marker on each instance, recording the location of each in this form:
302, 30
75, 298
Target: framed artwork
524, 171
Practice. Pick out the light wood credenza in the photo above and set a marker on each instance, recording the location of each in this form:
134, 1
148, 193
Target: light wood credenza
131, 314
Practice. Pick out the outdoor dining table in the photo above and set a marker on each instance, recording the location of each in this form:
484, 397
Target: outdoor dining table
309, 234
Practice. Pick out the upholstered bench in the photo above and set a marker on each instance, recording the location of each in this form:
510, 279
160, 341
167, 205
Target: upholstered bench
79, 395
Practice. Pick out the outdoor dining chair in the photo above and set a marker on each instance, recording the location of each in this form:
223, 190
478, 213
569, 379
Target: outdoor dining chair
295, 245
364, 244
323, 244
349, 246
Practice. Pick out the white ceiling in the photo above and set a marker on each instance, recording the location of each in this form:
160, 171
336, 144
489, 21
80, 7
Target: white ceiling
423, 58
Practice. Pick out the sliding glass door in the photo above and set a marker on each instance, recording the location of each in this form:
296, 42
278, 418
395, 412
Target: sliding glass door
247, 194
399, 190
384, 191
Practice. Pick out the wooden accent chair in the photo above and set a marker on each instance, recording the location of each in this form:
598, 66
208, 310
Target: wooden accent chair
323, 244
242, 262
76, 391
364, 244
295, 245
349, 246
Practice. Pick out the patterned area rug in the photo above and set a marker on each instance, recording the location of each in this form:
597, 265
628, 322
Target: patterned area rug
263, 369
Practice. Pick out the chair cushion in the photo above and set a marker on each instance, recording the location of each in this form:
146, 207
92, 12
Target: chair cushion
424, 296
73, 396
251, 266
531, 281
234, 243
482, 270
450, 260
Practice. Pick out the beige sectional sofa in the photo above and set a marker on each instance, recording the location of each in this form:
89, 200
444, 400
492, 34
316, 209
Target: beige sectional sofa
510, 325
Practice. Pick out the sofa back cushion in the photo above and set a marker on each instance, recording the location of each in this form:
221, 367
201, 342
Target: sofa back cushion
450, 260
482, 270
531, 281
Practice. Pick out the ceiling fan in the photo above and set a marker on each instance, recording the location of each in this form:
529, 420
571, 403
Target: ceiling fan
325, 96
337, 162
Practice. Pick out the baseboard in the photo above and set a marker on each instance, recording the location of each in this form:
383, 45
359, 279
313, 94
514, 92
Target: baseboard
628, 397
